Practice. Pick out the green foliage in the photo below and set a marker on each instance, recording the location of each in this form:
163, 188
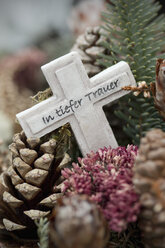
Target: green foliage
131, 238
66, 142
42, 231
134, 33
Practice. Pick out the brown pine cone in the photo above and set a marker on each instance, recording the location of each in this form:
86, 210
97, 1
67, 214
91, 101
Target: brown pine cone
28, 191
77, 222
149, 180
89, 47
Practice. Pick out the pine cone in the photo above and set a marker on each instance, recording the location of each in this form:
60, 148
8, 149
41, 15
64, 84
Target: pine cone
89, 47
28, 188
149, 180
78, 223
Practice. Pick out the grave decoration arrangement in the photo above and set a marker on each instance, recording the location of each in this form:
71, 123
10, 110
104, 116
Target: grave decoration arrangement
75, 180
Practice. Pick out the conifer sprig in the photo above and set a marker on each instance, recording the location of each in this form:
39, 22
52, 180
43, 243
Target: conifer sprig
42, 231
135, 33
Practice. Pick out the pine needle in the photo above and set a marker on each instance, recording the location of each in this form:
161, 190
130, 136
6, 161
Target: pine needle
134, 33
42, 230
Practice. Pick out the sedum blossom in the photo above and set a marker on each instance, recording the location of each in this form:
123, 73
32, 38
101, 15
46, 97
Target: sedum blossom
106, 177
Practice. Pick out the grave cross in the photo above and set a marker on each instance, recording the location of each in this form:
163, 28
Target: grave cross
78, 100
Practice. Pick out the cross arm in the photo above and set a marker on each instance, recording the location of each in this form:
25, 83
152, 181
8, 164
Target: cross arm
119, 74
32, 119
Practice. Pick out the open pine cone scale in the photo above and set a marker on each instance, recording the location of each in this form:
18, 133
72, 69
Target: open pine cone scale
28, 185
89, 46
149, 181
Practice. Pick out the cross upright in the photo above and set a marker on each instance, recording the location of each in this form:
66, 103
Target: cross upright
78, 100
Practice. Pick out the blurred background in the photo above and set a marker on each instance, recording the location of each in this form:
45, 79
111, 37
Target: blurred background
32, 34
27, 23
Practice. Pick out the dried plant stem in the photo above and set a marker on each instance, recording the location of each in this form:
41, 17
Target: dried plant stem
142, 87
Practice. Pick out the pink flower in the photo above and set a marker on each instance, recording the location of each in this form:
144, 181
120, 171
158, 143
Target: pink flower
106, 176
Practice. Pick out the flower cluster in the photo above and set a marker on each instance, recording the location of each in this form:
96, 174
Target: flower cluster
106, 176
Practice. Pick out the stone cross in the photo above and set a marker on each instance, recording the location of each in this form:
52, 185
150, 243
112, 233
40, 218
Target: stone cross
78, 100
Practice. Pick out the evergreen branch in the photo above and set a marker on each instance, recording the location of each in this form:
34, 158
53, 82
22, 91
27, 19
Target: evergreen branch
42, 225
134, 33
